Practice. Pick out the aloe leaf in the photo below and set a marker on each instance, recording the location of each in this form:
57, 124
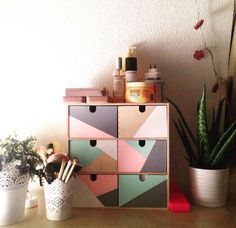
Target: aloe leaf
185, 141
202, 126
221, 157
211, 134
218, 116
184, 122
222, 147
214, 133
213, 117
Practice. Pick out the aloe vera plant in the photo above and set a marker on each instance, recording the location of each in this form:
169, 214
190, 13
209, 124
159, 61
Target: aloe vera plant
209, 149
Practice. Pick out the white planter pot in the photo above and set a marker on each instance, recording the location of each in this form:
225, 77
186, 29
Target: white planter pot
58, 199
209, 187
13, 188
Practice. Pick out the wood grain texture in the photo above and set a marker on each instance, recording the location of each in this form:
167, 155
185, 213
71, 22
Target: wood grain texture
152, 123
130, 119
130, 217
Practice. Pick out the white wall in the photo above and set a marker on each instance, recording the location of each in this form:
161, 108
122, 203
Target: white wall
49, 45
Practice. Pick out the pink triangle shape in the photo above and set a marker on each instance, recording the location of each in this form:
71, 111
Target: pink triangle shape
80, 129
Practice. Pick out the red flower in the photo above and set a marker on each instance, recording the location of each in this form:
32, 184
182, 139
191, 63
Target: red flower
199, 24
198, 54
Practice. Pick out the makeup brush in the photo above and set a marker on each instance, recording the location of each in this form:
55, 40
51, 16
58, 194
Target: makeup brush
70, 171
61, 169
66, 170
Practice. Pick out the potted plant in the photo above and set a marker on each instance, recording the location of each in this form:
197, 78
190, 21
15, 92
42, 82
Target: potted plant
18, 162
208, 154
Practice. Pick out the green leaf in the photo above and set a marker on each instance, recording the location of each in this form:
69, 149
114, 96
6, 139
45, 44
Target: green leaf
184, 122
202, 127
219, 153
218, 116
184, 138
214, 133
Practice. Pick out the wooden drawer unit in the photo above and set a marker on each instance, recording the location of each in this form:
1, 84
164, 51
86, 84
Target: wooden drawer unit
143, 191
93, 121
124, 151
142, 121
95, 155
97, 190
142, 156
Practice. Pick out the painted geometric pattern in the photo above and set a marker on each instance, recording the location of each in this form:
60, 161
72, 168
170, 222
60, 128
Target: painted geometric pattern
101, 192
150, 157
101, 157
102, 123
135, 124
136, 192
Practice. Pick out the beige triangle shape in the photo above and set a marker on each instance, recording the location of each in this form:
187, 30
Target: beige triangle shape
103, 163
109, 147
155, 125
131, 117
83, 197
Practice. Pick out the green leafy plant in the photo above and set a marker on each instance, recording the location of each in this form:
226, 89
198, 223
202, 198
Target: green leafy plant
209, 149
21, 153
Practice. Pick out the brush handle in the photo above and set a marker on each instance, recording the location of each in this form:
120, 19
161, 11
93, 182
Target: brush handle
61, 169
70, 172
66, 170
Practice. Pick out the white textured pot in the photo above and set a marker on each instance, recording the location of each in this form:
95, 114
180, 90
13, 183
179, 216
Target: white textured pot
58, 199
13, 188
209, 187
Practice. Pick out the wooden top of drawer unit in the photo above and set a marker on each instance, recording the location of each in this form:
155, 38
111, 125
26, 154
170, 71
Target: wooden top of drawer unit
119, 104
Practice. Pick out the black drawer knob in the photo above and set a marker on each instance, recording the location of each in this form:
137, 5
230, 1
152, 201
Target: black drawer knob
93, 143
141, 143
142, 177
142, 108
93, 177
92, 108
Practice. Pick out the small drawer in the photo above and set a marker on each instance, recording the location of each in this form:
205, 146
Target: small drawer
93, 121
96, 191
95, 155
142, 156
143, 190
142, 121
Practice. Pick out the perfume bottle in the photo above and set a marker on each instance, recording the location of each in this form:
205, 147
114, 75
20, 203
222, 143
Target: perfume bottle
119, 83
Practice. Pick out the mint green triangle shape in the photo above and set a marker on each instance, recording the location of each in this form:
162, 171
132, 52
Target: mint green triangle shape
83, 151
145, 150
130, 186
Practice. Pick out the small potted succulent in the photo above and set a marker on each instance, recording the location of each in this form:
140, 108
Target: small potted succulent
18, 162
208, 154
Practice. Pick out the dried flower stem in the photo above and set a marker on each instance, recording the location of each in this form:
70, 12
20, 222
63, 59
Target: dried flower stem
218, 78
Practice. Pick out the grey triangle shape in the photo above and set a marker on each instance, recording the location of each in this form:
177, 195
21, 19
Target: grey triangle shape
156, 160
104, 118
154, 197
